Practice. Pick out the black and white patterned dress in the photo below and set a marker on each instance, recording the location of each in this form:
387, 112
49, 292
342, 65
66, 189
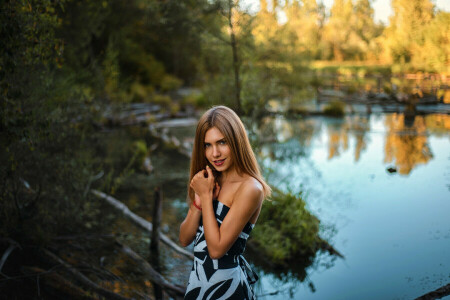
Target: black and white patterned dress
228, 277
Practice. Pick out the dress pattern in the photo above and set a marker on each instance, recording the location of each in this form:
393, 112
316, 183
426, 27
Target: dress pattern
229, 277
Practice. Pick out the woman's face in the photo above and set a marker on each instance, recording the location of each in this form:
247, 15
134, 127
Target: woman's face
217, 150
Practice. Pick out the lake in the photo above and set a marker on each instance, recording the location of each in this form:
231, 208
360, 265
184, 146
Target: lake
392, 228
379, 183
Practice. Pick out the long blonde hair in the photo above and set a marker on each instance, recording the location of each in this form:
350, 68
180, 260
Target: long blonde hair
229, 124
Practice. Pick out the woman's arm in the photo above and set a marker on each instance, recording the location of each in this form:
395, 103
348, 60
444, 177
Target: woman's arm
247, 200
189, 226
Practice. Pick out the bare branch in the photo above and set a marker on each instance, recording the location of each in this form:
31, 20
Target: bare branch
144, 224
157, 278
12, 245
436, 294
83, 279
6, 254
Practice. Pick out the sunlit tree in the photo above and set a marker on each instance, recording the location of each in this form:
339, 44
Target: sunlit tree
304, 23
338, 29
405, 31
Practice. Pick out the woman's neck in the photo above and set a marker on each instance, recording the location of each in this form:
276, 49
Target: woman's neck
230, 175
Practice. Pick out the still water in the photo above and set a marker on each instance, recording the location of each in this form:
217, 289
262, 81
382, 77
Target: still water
392, 227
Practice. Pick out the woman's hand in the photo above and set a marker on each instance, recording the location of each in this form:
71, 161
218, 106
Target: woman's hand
203, 182
216, 192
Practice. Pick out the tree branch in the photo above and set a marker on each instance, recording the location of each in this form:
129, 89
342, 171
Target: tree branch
144, 224
12, 245
436, 294
173, 290
86, 282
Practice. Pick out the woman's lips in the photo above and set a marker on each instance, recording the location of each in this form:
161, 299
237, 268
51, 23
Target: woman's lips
219, 162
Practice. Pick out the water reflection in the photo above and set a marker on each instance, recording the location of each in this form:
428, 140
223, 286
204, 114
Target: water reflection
406, 144
318, 149
438, 125
279, 139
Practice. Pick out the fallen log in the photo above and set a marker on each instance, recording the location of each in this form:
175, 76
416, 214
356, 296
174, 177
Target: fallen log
55, 283
141, 222
12, 245
436, 294
83, 280
324, 245
185, 122
174, 291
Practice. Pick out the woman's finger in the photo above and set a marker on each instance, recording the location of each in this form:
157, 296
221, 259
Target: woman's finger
210, 173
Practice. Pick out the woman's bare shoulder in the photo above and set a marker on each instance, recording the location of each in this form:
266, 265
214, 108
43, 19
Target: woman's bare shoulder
251, 188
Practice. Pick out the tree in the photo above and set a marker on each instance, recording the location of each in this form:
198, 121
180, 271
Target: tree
351, 31
405, 31
231, 16
43, 162
304, 22
365, 28
434, 53
338, 30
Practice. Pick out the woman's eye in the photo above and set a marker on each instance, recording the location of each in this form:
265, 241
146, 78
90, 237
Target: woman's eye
207, 145
222, 142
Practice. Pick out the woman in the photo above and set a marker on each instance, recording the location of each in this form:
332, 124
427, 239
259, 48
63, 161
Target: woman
222, 161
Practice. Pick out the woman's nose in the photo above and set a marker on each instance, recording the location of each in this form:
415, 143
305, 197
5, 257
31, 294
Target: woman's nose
216, 152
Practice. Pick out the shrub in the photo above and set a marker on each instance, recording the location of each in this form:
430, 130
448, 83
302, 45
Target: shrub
140, 92
335, 108
170, 83
196, 99
162, 100
286, 229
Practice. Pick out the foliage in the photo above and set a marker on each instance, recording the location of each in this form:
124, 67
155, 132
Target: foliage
170, 83
45, 123
286, 229
416, 38
350, 31
195, 99
335, 108
351, 67
434, 50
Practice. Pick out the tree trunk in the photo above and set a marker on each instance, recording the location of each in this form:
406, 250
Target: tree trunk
237, 83
154, 244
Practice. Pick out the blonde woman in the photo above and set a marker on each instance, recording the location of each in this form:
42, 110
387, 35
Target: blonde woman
226, 192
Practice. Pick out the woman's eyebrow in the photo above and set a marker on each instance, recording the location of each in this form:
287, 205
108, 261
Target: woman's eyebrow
217, 141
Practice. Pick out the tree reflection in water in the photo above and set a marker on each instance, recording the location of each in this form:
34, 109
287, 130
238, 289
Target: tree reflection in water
284, 147
280, 142
340, 131
406, 146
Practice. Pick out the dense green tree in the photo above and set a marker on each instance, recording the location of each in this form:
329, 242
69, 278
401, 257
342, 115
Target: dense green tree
366, 30
338, 29
43, 119
350, 32
405, 30
434, 53
304, 20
